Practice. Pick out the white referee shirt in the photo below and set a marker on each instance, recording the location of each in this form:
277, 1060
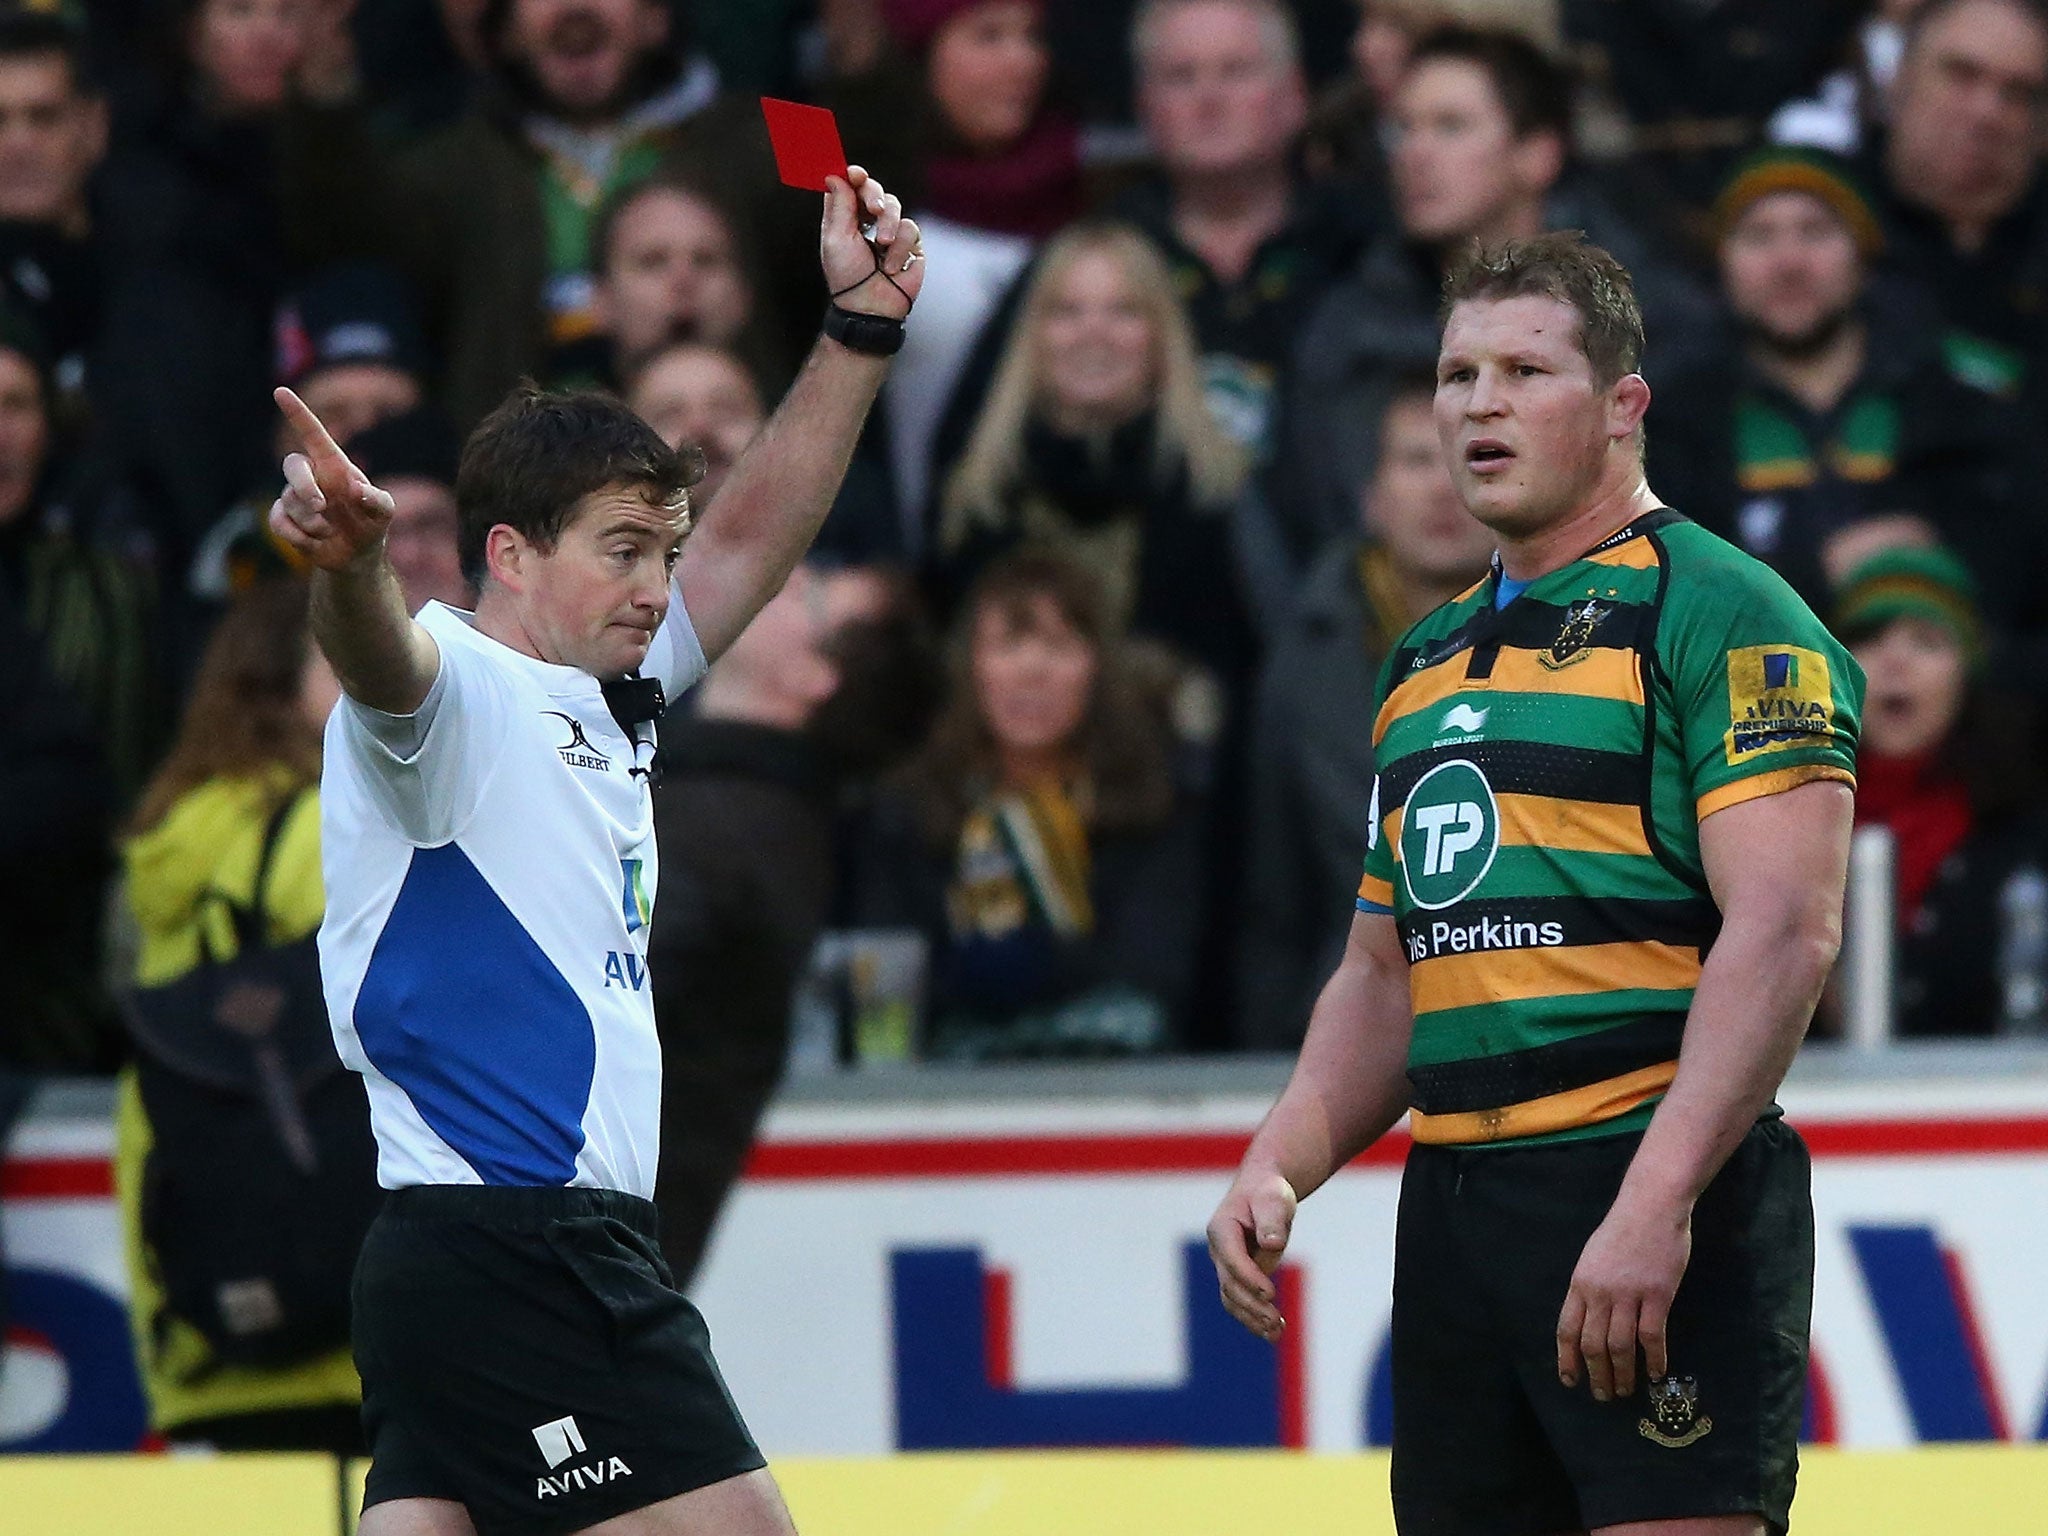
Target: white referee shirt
490, 871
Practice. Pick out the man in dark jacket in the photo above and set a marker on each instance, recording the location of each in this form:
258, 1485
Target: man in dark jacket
494, 214
1835, 402
1482, 153
1415, 548
826, 683
1958, 180
1251, 244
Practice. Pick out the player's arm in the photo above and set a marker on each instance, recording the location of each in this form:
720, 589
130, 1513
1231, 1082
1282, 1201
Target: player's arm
777, 495
1349, 1086
1780, 930
333, 516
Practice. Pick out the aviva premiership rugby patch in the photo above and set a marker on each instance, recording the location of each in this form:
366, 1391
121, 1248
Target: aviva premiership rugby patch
1779, 697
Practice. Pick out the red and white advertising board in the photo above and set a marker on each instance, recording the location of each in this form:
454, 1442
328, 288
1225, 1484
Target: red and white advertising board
921, 1274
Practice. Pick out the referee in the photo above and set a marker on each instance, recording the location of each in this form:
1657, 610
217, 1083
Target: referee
1603, 886
528, 1366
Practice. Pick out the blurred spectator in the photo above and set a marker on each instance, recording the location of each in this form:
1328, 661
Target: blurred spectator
54, 819
247, 752
1348, 124
1850, 101
414, 456
494, 214
1833, 403
1958, 175
224, 179
53, 135
348, 341
700, 394
88, 594
998, 169
1945, 764
1698, 81
1481, 152
669, 268
1040, 840
1415, 548
1094, 440
706, 396
421, 64
1250, 244
746, 807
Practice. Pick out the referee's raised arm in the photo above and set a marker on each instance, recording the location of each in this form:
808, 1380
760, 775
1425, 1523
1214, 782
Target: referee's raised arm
333, 516
774, 501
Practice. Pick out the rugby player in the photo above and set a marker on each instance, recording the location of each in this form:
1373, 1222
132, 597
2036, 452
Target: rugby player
528, 1366
1603, 887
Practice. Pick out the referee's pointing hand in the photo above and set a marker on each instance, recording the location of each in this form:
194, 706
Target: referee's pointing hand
329, 512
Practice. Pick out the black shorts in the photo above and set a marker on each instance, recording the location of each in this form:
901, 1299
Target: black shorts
524, 1352
1487, 1441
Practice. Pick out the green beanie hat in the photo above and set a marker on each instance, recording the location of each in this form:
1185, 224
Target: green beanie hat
1792, 168
1901, 583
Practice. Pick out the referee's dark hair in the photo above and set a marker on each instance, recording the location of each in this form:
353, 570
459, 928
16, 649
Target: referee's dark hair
1565, 266
532, 461
1534, 90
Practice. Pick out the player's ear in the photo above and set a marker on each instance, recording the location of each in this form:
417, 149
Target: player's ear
507, 554
1627, 403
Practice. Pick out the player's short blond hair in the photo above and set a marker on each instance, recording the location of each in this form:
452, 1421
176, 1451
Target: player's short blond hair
1569, 268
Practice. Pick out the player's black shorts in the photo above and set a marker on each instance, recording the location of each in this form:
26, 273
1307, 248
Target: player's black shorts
1486, 1439
525, 1352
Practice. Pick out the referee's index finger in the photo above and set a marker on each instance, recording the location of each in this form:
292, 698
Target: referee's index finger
321, 448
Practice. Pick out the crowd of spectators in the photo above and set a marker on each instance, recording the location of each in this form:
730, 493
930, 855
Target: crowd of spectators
1077, 689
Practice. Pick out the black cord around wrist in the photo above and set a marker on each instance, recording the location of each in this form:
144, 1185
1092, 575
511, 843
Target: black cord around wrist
875, 335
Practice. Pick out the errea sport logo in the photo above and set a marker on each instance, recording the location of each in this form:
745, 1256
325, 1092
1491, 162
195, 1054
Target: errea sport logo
1450, 832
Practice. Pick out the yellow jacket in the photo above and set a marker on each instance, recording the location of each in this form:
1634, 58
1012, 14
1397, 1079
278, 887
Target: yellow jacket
209, 842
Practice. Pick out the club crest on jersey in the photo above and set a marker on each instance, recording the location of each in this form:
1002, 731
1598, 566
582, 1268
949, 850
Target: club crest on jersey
577, 751
1573, 640
1675, 1419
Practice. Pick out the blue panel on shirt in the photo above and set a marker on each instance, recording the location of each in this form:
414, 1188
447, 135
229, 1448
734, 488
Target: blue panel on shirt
1374, 908
463, 1010
1507, 589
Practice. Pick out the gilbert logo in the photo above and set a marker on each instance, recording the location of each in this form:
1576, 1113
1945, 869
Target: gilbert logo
577, 751
558, 1442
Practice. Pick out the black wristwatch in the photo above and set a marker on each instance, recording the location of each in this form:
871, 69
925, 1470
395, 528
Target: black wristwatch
873, 334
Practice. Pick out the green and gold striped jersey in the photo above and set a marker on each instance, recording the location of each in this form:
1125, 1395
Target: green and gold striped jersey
1543, 769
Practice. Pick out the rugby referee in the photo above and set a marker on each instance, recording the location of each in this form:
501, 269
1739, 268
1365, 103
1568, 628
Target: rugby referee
1603, 886
528, 1367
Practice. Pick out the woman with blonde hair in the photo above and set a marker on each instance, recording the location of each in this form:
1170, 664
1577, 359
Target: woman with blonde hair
1095, 440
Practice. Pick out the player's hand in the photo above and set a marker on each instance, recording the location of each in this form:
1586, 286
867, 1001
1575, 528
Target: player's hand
878, 273
329, 512
1620, 1297
1247, 1236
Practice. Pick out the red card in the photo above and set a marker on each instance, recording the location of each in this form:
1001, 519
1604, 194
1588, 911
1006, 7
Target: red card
806, 140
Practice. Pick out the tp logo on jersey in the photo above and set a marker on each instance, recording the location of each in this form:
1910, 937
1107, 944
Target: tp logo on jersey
1450, 831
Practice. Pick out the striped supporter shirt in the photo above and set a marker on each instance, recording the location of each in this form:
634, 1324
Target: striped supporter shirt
1544, 766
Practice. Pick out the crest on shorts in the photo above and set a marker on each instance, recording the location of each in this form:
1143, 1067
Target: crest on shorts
1580, 620
1675, 1419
